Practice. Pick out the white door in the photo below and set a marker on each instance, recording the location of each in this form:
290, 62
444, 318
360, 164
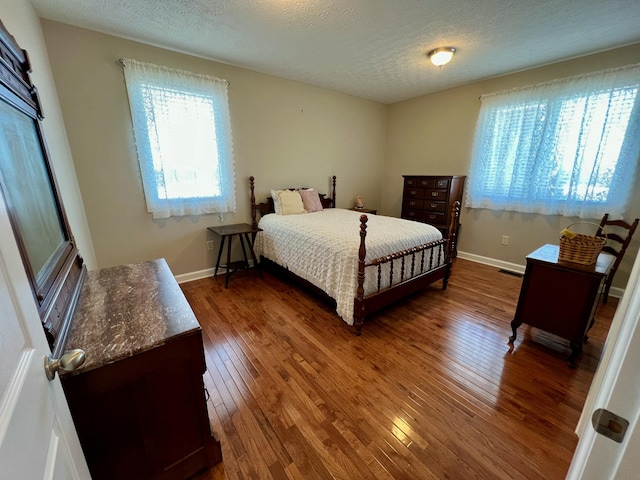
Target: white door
616, 388
37, 436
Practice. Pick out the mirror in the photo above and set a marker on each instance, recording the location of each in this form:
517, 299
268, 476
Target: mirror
27, 183
28, 191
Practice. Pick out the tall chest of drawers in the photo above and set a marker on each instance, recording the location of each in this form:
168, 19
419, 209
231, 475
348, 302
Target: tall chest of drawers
428, 199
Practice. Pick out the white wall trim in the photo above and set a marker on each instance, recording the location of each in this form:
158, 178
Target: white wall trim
207, 272
189, 277
514, 267
472, 257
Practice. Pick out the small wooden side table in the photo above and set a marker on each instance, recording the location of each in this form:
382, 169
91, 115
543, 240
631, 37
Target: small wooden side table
370, 211
226, 234
560, 297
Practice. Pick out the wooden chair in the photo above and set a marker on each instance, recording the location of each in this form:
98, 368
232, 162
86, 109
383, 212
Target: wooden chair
619, 250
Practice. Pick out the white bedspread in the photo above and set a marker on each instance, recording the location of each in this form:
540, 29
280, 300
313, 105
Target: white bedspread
322, 247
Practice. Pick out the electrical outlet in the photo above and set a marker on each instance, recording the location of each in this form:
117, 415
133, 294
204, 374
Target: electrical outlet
505, 240
210, 245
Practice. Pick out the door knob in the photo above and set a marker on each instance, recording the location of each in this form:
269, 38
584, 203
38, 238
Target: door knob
70, 361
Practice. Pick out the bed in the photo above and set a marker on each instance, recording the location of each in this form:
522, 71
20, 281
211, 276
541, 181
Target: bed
362, 262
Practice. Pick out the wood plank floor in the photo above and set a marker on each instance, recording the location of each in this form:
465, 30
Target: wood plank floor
431, 390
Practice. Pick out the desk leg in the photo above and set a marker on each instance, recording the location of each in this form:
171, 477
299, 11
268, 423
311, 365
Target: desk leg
515, 323
226, 279
576, 349
220, 248
586, 334
244, 251
253, 255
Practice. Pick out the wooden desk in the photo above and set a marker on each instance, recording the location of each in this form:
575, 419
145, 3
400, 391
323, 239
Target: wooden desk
226, 233
560, 297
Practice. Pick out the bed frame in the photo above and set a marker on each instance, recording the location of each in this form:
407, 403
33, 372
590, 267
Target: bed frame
418, 265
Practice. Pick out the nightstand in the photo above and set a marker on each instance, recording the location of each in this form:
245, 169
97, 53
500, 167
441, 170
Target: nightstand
226, 233
370, 211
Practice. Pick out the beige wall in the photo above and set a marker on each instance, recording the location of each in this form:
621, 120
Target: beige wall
285, 134
22, 22
433, 134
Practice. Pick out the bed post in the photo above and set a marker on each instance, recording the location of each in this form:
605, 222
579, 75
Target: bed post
452, 239
358, 310
452, 234
333, 191
254, 223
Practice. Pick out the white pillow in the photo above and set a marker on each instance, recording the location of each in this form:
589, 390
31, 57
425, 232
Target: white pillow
290, 202
276, 201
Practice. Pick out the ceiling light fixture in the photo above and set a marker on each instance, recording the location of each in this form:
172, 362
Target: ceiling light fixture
441, 56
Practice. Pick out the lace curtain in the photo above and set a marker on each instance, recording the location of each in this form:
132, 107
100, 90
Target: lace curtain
183, 138
568, 147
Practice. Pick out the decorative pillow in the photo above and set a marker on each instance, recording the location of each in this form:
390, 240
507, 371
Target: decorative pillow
311, 200
290, 202
276, 201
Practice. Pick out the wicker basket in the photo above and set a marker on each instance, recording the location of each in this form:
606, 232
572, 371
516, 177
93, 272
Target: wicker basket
582, 249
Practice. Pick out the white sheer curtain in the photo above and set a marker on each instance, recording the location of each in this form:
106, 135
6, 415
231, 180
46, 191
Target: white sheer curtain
183, 139
567, 147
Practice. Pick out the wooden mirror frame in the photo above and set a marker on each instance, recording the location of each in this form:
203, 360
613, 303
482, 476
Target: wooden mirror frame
56, 285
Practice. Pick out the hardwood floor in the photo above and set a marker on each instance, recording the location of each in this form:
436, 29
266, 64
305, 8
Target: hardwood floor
431, 390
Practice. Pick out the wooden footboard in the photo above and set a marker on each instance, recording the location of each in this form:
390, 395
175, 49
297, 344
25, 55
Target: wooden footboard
419, 266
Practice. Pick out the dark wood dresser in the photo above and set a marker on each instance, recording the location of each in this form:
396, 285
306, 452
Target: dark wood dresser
429, 199
138, 403
560, 297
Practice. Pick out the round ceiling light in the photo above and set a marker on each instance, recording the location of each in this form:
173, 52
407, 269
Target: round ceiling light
441, 56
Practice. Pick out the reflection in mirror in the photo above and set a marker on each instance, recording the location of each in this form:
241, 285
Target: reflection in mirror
29, 191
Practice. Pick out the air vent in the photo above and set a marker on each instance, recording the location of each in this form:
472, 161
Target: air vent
509, 272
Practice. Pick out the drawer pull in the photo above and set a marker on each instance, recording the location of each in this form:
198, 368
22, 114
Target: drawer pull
434, 205
432, 216
434, 194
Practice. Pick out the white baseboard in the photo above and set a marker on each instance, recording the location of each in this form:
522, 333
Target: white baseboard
207, 272
189, 277
514, 267
472, 257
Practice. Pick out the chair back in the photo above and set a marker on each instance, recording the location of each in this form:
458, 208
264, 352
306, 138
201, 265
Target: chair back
622, 241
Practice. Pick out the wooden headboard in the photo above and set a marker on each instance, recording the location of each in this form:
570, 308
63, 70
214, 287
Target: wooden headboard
267, 206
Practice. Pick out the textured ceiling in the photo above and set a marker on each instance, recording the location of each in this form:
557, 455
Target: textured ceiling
375, 49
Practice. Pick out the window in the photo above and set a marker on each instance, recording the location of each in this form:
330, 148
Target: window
183, 139
568, 147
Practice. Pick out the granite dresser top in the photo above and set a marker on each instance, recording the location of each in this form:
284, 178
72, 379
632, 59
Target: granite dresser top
126, 310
